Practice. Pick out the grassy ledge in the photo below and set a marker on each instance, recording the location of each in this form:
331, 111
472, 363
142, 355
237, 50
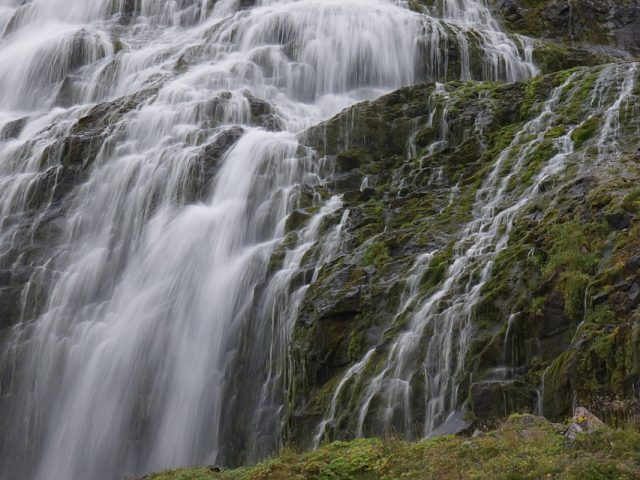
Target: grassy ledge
524, 447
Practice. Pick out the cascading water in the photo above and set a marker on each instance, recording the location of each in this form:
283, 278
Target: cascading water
163, 135
428, 354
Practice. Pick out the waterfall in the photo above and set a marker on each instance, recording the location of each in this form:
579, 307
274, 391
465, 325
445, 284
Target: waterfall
149, 163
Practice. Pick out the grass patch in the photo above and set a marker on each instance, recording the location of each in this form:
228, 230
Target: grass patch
525, 447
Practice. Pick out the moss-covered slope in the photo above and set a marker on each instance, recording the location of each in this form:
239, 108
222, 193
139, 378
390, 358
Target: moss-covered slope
555, 322
525, 447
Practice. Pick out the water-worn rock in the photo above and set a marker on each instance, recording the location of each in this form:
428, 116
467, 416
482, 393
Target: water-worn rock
13, 129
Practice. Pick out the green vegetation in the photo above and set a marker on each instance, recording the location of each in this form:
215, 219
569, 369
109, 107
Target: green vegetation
585, 131
631, 201
376, 254
525, 447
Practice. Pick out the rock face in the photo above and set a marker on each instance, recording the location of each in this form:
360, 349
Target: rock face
604, 22
558, 319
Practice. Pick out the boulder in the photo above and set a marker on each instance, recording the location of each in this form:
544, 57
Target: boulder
583, 421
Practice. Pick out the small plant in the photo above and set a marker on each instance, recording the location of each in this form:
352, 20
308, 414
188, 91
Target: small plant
376, 254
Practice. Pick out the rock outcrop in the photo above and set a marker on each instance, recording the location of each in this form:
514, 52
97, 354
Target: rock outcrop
557, 321
595, 23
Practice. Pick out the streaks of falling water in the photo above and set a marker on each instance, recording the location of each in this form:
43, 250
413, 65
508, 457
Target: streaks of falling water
482, 239
607, 142
123, 364
352, 372
409, 295
279, 304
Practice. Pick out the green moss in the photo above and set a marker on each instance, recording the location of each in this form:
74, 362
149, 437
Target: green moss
437, 269
577, 95
585, 131
563, 255
534, 92
602, 314
376, 254
573, 254
555, 132
524, 448
537, 306
541, 154
631, 201
573, 285
571, 246
117, 45
186, 474
356, 346
582, 24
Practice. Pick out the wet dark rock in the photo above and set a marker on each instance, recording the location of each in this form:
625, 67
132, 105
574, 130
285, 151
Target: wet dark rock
344, 306
90, 131
213, 152
65, 165
263, 114
350, 160
9, 305
207, 164
619, 221
271, 123
82, 149
558, 13
258, 106
454, 424
347, 182
604, 22
510, 10
128, 10
66, 95
497, 399
633, 263
296, 219
356, 196
302, 277
13, 129
628, 28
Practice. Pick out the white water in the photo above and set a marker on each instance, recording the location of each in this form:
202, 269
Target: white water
625, 81
145, 302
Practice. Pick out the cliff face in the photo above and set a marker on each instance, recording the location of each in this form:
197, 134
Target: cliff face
592, 22
548, 168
